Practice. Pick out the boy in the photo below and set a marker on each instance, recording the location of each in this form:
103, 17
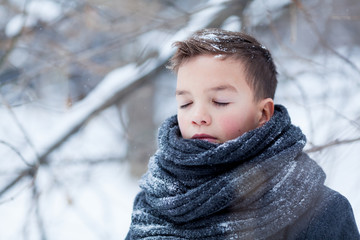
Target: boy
230, 164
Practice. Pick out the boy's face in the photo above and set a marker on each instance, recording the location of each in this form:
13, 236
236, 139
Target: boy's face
214, 101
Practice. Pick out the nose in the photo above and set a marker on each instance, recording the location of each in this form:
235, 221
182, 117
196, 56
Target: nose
201, 117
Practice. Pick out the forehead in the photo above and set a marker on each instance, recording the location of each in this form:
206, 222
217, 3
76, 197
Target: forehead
212, 71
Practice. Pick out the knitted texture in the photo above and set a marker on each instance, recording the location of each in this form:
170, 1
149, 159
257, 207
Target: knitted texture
248, 188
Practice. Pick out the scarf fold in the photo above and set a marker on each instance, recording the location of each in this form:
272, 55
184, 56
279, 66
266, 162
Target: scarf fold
249, 187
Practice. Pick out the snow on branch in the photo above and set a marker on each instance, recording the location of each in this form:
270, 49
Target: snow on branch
119, 82
111, 89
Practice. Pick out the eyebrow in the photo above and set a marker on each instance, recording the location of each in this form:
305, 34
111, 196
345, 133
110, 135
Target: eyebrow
213, 89
181, 92
223, 88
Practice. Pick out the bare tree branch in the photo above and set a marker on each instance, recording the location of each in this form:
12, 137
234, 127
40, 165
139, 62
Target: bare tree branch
278, 38
338, 113
11, 198
29, 172
19, 125
92, 162
39, 219
16, 38
336, 142
91, 106
128, 85
17, 152
321, 39
74, 125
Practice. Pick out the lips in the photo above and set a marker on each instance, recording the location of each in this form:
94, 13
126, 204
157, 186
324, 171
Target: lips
204, 137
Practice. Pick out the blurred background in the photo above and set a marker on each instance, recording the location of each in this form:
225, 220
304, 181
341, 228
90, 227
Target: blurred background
84, 88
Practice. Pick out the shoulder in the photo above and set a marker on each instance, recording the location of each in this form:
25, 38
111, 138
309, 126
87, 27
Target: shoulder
332, 218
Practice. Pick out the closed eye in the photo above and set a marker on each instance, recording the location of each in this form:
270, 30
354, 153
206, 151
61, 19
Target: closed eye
185, 105
221, 104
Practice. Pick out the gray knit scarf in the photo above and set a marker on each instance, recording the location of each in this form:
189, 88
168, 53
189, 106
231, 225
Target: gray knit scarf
247, 188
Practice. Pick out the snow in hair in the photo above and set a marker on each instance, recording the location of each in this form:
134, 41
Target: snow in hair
259, 66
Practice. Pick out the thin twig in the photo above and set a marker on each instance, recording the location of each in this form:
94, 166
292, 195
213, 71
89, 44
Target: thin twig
309, 19
15, 39
281, 43
16, 194
39, 220
19, 125
338, 113
336, 142
17, 152
91, 162
25, 173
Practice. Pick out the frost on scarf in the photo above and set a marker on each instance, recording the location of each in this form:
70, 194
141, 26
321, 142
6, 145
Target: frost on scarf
249, 187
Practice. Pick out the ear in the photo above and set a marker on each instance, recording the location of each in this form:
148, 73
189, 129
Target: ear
266, 110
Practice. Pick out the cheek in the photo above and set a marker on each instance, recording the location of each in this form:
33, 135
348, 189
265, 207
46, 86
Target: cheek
235, 125
182, 125
232, 126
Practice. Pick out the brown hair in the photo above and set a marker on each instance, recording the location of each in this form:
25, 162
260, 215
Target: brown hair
258, 64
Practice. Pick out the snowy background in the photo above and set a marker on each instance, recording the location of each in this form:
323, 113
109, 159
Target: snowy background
83, 88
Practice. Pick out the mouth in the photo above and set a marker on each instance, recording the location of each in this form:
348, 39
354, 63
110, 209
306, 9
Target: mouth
205, 137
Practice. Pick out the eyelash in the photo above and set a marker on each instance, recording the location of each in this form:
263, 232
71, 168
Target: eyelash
219, 104
185, 105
